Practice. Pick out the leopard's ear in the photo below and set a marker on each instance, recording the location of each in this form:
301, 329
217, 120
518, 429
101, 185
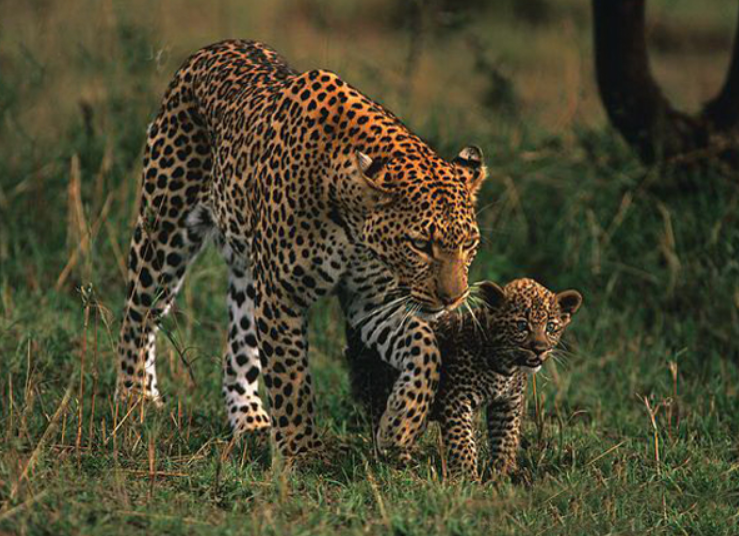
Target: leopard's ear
365, 171
492, 294
569, 301
471, 160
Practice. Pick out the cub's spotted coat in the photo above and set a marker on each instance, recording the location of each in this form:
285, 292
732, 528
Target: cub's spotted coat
307, 187
483, 365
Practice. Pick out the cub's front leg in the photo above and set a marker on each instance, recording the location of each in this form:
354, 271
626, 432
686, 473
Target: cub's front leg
456, 418
504, 432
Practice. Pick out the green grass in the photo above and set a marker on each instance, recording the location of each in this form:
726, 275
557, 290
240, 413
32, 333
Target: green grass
658, 265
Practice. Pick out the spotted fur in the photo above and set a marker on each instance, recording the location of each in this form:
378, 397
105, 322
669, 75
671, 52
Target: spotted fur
307, 187
484, 366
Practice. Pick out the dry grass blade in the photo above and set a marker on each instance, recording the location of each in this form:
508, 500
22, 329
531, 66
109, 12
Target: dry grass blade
120, 257
82, 246
134, 404
93, 396
653, 420
442, 456
11, 409
81, 396
78, 238
188, 520
149, 473
668, 248
10, 512
378, 495
152, 465
606, 453
48, 433
538, 402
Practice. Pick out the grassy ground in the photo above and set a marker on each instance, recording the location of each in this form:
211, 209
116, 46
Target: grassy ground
636, 434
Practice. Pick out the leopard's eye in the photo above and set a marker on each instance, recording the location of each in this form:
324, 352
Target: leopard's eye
522, 325
551, 327
471, 243
421, 244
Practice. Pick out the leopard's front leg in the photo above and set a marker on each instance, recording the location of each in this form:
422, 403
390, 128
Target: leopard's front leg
408, 344
282, 327
414, 352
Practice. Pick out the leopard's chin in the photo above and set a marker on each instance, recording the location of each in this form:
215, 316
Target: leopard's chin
426, 310
430, 315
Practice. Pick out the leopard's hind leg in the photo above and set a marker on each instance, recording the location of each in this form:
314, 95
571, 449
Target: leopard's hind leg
172, 227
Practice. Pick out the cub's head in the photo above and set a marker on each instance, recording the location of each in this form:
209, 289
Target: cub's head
420, 222
524, 321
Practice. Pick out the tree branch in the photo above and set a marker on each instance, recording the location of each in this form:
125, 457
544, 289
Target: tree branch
723, 111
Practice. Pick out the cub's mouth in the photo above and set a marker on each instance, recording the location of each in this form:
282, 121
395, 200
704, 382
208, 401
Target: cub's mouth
531, 362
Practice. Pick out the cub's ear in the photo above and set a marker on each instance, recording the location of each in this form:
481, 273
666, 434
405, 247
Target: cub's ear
471, 159
569, 301
365, 171
492, 294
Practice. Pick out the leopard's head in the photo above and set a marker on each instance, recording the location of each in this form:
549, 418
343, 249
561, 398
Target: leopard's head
524, 321
421, 223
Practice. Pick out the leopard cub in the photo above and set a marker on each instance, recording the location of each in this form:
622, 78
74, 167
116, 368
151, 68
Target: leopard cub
485, 361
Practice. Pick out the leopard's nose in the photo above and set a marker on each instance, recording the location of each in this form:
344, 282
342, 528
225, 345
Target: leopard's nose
451, 300
451, 283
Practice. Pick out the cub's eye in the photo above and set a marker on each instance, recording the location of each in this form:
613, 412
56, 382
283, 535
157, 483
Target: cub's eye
421, 244
522, 326
551, 327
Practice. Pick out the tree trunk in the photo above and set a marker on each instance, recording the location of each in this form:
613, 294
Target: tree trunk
636, 106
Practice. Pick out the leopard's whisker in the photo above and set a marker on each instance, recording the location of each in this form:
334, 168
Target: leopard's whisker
400, 309
474, 300
409, 310
472, 315
380, 309
486, 207
373, 313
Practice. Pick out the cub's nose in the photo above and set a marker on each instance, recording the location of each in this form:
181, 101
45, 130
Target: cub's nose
538, 347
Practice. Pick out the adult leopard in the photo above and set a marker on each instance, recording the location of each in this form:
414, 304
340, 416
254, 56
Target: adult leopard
307, 187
